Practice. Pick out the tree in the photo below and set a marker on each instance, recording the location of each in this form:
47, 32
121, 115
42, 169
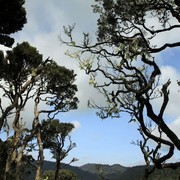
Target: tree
65, 174
54, 134
125, 56
3, 157
48, 174
12, 19
26, 78
27, 160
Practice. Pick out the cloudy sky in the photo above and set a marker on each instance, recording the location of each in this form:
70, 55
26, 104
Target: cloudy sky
107, 141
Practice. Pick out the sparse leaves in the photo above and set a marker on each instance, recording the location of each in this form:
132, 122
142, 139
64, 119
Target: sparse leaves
126, 70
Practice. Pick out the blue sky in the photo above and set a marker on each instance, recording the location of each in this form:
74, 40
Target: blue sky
107, 141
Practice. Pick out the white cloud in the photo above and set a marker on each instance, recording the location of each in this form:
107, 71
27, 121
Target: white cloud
169, 72
77, 125
175, 126
45, 22
172, 109
172, 113
160, 39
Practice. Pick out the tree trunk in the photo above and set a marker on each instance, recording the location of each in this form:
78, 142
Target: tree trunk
40, 156
19, 162
10, 159
39, 140
12, 154
7, 169
20, 153
57, 167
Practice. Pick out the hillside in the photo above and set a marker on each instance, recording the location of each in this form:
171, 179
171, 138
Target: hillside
118, 172
111, 172
107, 171
83, 175
48, 165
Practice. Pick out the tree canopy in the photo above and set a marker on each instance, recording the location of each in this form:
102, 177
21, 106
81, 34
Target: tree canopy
26, 78
122, 66
12, 19
55, 141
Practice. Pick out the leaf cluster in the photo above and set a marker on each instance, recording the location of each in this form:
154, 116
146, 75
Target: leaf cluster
12, 19
59, 80
54, 132
19, 63
64, 174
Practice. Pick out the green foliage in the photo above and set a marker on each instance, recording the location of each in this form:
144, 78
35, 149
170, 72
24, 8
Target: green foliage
131, 13
26, 77
5, 147
12, 19
64, 174
55, 128
48, 174
67, 175
19, 63
54, 134
59, 80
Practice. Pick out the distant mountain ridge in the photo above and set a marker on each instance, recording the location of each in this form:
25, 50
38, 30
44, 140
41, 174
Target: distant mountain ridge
118, 172
106, 171
112, 172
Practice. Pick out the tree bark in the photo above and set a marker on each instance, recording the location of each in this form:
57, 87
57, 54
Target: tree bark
39, 140
57, 168
40, 156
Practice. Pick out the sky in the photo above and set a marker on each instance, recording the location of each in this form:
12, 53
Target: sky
98, 141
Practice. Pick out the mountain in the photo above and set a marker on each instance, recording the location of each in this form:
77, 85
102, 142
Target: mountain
133, 173
118, 172
48, 165
83, 175
106, 171
110, 172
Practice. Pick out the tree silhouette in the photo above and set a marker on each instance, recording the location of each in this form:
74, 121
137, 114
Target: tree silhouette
122, 67
12, 19
26, 78
54, 135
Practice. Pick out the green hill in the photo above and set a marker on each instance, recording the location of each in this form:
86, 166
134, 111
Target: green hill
106, 171
110, 172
